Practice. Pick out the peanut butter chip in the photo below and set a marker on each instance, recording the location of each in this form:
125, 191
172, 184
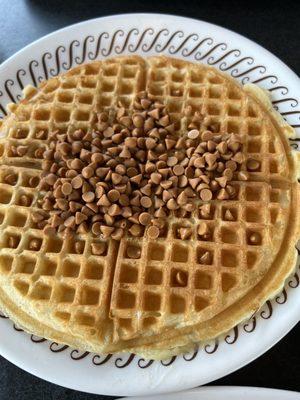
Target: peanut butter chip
178, 170
193, 134
66, 188
243, 175
228, 216
79, 247
255, 238
98, 249
206, 195
13, 242
253, 165
25, 200
172, 161
203, 229
205, 258
153, 232
10, 179
144, 218
184, 233
181, 278
133, 252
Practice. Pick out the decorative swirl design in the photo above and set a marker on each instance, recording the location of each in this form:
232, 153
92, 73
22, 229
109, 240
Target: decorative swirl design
74, 43
58, 347
35, 80
37, 339
107, 52
273, 79
250, 325
160, 48
232, 339
96, 360
282, 298
133, 48
78, 355
16, 328
92, 56
142, 363
236, 53
3, 315
7, 84
186, 357
20, 72
127, 362
266, 314
119, 49
81, 60
209, 349
293, 102
295, 281
146, 48
58, 51
167, 363
224, 67
46, 56
173, 50
209, 41
284, 90
236, 74
199, 57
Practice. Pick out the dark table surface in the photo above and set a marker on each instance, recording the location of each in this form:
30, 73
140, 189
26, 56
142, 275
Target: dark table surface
274, 25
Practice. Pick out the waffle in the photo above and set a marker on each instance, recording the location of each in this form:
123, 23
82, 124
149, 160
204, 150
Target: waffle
110, 302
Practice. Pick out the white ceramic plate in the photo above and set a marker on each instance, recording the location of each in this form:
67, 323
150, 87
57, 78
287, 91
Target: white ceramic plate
228, 393
148, 34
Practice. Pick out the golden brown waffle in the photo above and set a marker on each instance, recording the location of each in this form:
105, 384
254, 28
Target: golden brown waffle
112, 302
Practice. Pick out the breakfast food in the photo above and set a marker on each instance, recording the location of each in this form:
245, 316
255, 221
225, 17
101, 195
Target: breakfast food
146, 205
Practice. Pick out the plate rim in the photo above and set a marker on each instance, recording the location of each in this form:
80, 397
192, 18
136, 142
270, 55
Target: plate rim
213, 26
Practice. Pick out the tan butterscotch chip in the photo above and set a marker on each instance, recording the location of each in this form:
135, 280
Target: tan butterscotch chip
172, 161
153, 232
252, 164
184, 233
231, 165
178, 170
98, 248
205, 258
13, 242
88, 197
10, 179
79, 247
203, 229
66, 188
133, 252
255, 238
207, 135
181, 278
34, 244
144, 218
25, 200
243, 175
193, 134
135, 230
206, 194
114, 210
113, 195
228, 216
146, 202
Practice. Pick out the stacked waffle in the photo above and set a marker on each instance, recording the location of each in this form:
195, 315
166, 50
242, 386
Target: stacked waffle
203, 271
